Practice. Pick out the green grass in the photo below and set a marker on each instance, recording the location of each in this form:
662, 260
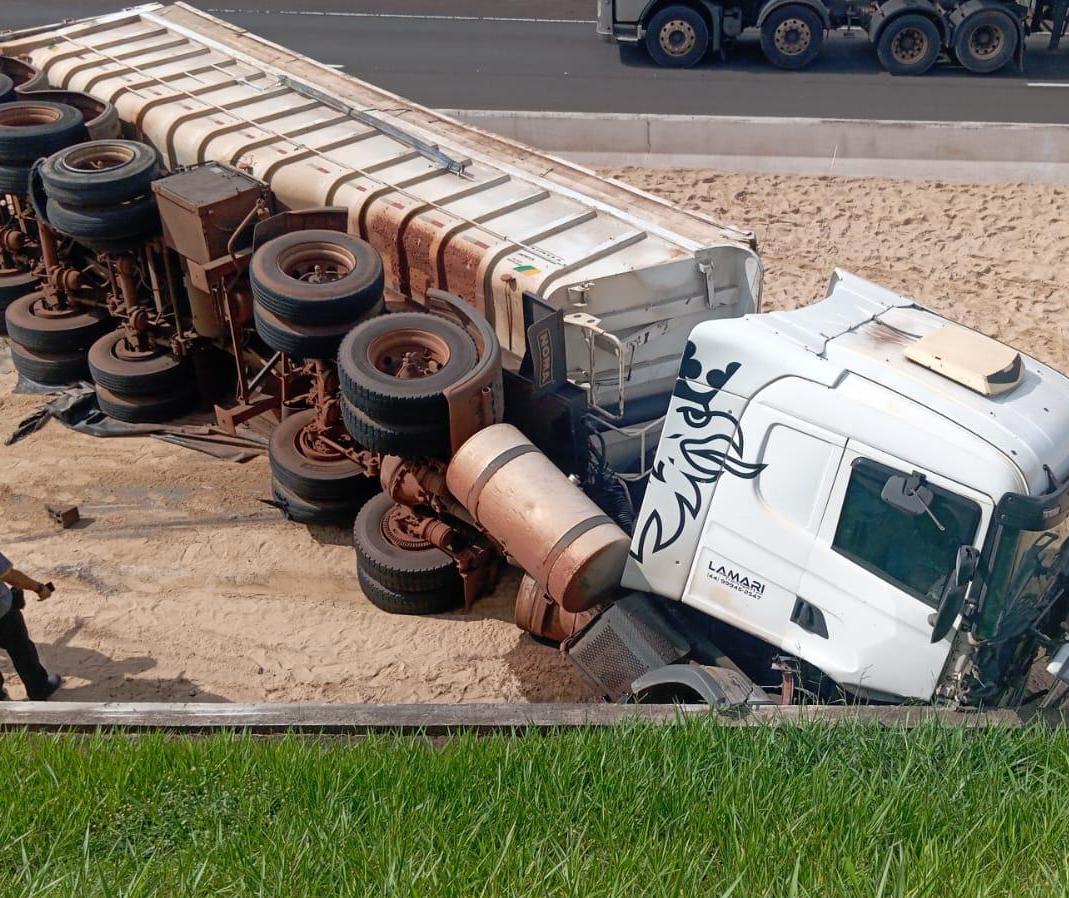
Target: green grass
692, 809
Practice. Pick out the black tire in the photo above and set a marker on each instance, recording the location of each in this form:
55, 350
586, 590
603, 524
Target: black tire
909, 45
406, 440
393, 601
7, 89
331, 512
147, 409
677, 37
365, 352
985, 41
299, 341
105, 225
792, 36
419, 569
279, 265
312, 478
77, 331
52, 369
13, 284
15, 179
149, 376
30, 129
100, 172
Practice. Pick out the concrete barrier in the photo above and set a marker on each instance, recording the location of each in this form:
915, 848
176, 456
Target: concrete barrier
961, 151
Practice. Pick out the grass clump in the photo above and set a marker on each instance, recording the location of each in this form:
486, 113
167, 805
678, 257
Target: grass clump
695, 809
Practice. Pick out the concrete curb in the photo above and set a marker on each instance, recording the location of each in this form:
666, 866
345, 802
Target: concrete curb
959, 151
430, 719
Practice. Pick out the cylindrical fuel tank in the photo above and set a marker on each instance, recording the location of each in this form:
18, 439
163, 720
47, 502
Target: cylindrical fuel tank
101, 118
536, 613
207, 320
571, 548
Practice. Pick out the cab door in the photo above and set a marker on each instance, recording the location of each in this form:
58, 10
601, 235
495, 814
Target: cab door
760, 532
877, 573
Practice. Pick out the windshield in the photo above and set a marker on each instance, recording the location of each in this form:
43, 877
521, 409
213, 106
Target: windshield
1023, 565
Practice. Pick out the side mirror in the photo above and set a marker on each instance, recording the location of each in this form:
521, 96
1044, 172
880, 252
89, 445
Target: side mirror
954, 592
907, 494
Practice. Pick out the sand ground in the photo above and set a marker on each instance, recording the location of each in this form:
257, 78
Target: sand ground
180, 585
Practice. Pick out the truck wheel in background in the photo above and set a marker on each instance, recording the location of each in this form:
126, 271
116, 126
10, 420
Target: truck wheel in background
300, 341
30, 129
396, 367
985, 41
328, 512
116, 367
317, 277
14, 283
52, 369
154, 409
398, 572
792, 36
15, 179
677, 37
30, 324
100, 172
299, 468
909, 45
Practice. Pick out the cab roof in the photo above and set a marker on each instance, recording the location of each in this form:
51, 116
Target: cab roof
867, 330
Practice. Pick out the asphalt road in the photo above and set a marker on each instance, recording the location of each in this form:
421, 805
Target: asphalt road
544, 55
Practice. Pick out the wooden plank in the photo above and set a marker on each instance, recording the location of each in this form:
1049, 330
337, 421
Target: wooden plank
443, 719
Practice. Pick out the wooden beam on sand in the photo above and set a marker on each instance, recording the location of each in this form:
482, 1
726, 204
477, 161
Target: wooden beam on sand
438, 720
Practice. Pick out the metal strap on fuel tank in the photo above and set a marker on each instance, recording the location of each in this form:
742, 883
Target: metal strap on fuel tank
472, 503
542, 575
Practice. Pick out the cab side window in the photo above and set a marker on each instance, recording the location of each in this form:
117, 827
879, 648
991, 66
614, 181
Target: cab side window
911, 552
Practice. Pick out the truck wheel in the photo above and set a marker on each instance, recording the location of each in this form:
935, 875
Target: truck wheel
792, 36
30, 129
317, 277
15, 179
419, 440
53, 369
30, 323
300, 341
312, 472
329, 512
14, 283
147, 409
396, 367
985, 41
406, 574
677, 37
100, 172
909, 45
105, 225
116, 367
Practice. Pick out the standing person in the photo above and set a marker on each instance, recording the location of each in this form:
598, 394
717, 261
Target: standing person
15, 640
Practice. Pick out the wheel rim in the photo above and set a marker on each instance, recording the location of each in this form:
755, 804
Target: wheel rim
100, 158
792, 37
678, 38
28, 116
397, 525
909, 45
987, 41
409, 354
123, 351
39, 308
317, 263
308, 442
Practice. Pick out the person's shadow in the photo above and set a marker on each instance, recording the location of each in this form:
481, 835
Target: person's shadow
92, 676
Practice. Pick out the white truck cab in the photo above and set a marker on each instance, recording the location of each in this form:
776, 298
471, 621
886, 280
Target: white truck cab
820, 471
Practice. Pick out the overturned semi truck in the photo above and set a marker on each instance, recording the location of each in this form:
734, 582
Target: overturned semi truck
481, 353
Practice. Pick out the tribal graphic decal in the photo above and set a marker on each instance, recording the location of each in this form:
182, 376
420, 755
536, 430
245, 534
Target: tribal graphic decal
696, 460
